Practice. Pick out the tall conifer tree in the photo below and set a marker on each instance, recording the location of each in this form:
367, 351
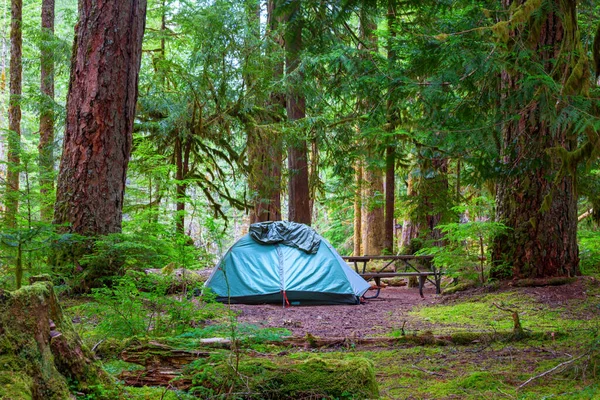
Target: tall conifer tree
100, 112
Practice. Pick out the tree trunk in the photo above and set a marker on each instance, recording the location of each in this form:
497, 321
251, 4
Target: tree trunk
100, 113
180, 187
434, 201
373, 193
264, 179
44, 353
14, 114
410, 230
298, 189
390, 188
534, 199
358, 210
372, 211
392, 122
313, 177
46, 144
264, 144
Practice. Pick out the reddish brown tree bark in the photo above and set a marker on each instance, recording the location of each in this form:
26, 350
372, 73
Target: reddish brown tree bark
534, 199
373, 203
373, 210
46, 144
14, 113
100, 112
298, 189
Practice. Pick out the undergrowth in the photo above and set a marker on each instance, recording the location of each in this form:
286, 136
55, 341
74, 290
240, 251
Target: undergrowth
142, 304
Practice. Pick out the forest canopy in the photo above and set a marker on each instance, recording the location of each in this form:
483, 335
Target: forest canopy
465, 130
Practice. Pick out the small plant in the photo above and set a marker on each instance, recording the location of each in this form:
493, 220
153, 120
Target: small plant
466, 250
139, 305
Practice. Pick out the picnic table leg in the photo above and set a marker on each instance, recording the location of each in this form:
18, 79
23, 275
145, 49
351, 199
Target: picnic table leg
378, 283
438, 282
421, 283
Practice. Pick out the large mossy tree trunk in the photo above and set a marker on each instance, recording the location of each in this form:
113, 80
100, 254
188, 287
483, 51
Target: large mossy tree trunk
41, 355
100, 112
536, 198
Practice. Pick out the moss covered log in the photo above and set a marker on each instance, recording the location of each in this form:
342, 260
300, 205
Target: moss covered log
262, 378
41, 355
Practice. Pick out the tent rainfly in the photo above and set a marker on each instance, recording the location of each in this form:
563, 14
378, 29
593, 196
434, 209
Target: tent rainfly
285, 263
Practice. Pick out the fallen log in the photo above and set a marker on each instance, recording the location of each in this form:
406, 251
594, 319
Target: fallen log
224, 371
166, 366
539, 282
165, 377
163, 365
154, 353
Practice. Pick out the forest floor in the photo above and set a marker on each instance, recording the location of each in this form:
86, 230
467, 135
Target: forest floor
391, 311
375, 317
559, 357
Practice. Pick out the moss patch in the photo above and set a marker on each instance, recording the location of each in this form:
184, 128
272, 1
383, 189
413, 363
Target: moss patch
15, 386
41, 356
276, 378
479, 314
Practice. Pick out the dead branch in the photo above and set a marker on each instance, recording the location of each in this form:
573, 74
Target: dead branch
425, 371
563, 364
585, 215
517, 328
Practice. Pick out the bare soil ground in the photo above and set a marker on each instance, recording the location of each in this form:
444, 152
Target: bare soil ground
386, 313
375, 317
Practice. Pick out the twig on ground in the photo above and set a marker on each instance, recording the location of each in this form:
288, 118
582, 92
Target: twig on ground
563, 364
510, 396
425, 371
96, 346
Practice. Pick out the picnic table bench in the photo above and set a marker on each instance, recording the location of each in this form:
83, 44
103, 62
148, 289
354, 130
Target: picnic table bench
390, 270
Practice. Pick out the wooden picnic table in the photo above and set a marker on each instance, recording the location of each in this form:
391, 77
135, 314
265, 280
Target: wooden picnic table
390, 269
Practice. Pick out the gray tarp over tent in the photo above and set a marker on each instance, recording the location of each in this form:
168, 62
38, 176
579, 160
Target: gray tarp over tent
285, 262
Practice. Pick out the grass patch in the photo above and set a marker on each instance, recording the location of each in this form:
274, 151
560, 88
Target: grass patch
153, 393
480, 314
246, 332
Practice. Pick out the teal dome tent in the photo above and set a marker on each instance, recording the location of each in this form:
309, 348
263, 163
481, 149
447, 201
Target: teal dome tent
285, 263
